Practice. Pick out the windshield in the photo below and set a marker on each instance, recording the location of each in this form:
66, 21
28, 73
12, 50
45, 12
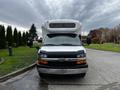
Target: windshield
60, 39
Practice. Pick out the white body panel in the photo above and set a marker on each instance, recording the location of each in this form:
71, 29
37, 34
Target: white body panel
47, 30
62, 48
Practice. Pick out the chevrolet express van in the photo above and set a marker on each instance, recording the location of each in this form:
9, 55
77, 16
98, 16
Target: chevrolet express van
62, 52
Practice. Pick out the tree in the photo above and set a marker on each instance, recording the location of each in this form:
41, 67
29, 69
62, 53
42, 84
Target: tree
32, 31
88, 40
19, 39
2, 37
15, 37
9, 37
24, 40
27, 35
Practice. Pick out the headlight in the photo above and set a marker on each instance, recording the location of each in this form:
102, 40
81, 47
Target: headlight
43, 55
81, 54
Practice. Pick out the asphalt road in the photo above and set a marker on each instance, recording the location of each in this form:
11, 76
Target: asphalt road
103, 74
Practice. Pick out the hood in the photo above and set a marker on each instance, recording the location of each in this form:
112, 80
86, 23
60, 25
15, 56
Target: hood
62, 48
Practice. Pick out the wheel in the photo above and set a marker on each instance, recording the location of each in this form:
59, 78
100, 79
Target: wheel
83, 75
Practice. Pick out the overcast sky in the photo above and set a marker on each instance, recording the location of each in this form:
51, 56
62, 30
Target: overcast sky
92, 13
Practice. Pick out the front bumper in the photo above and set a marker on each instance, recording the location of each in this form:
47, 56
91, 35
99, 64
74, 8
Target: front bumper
62, 71
62, 67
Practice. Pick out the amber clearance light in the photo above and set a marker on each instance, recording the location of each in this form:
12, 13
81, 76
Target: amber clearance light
81, 61
42, 62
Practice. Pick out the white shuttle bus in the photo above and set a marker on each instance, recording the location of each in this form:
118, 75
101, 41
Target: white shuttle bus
62, 52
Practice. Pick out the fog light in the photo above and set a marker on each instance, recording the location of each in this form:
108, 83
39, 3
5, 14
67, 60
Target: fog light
42, 62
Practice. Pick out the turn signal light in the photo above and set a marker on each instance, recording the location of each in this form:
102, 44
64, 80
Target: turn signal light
81, 62
42, 62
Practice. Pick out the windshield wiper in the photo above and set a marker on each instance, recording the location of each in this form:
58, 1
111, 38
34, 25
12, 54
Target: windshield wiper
49, 45
69, 44
65, 44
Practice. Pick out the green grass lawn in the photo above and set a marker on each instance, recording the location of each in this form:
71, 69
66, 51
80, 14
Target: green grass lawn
105, 47
23, 56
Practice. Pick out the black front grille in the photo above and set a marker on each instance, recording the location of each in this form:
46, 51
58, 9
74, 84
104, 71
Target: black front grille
61, 64
62, 55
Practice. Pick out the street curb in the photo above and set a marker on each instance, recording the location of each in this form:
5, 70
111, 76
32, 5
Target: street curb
15, 73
